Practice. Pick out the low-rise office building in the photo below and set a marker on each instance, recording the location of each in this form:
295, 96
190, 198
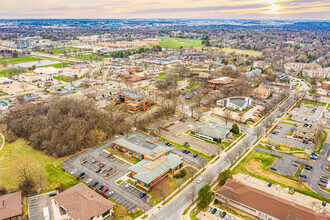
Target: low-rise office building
305, 132
11, 206
235, 103
135, 101
83, 203
209, 131
263, 205
223, 81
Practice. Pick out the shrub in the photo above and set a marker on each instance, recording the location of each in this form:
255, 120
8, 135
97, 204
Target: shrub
235, 129
180, 175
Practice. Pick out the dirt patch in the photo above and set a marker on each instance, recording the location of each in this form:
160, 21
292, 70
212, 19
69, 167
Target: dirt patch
300, 155
284, 148
254, 167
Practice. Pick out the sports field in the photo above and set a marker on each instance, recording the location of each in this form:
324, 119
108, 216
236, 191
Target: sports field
19, 59
176, 43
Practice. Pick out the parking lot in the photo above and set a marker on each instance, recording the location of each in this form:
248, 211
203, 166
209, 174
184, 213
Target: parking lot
285, 167
281, 133
36, 205
307, 113
129, 198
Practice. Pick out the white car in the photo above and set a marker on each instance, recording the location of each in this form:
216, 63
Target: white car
199, 180
127, 185
73, 171
89, 181
111, 193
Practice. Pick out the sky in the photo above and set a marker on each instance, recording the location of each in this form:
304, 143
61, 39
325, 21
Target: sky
240, 9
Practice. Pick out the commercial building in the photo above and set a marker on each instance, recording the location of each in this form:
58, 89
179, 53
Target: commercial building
261, 92
32, 78
222, 81
235, 103
326, 85
263, 205
26, 43
83, 203
156, 163
305, 132
135, 101
209, 131
11, 206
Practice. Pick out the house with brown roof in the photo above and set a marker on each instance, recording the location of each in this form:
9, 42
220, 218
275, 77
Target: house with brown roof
83, 203
261, 92
11, 206
222, 81
263, 205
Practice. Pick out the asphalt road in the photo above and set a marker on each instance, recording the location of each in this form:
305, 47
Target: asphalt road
174, 208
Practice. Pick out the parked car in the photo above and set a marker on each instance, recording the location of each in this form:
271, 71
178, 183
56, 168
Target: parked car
127, 185
295, 164
52, 194
187, 152
73, 171
81, 174
324, 180
303, 176
94, 161
218, 213
214, 211
98, 170
199, 180
223, 215
184, 151
209, 209
313, 156
104, 190
232, 218
308, 167
273, 168
101, 187
89, 181
195, 155
186, 144
270, 184
122, 133
227, 217
324, 203
143, 195
109, 155
83, 162
94, 184
111, 193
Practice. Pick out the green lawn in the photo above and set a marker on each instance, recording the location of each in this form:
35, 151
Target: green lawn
56, 51
12, 153
19, 59
57, 65
239, 51
62, 78
122, 155
176, 43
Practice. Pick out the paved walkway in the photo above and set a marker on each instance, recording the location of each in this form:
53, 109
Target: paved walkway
3, 141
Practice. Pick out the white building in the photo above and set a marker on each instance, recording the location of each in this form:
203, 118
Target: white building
235, 103
32, 78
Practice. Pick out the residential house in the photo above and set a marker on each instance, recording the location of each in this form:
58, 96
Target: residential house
263, 205
11, 206
83, 203
222, 81
235, 103
261, 92
210, 131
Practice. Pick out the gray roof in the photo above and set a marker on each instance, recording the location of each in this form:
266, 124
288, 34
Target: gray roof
132, 95
238, 101
147, 175
142, 148
215, 131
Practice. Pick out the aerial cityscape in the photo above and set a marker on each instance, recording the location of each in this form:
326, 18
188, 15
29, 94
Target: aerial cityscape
165, 110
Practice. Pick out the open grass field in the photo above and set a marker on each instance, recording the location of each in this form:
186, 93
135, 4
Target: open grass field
56, 51
19, 59
17, 151
257, 164
176, 43
57, 65
239, 51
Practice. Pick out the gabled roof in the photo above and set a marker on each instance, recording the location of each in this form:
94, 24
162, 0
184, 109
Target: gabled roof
215, 131
83, 203
11, 205
267, 203
148, 170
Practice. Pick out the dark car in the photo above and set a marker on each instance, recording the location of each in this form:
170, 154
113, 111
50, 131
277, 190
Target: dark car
82, 174
214, 211
85, 161
109, 169
98, 170
273, 168
324, 180
187, 152
143, 195
52, 194
186, 144
122, 133
308, 167
184, 151
94, 184
101, 187
223, 214
109, 155
270, 184
195, 155
324, 203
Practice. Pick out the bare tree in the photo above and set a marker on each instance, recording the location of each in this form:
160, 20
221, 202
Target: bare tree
192, 194
227, 115
258, 131
23, 86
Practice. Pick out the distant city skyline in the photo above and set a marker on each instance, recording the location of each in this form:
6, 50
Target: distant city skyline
240, 9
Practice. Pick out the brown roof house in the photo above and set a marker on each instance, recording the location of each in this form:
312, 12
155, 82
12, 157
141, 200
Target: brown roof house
81, 202
261, 92
11, 206
263, 205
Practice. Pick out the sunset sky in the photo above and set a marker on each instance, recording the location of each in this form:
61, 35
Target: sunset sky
248, 9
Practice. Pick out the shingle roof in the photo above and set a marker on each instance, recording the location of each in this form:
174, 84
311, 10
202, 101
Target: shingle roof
215, 131
82, 202
267, 203
148, 170
11, 205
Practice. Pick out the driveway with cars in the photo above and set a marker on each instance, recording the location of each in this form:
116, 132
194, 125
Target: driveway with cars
129, 198
37, 203
281, 132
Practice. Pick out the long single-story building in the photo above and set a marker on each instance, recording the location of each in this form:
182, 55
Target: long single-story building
83, 203
209, 131
235, 103
263, 205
